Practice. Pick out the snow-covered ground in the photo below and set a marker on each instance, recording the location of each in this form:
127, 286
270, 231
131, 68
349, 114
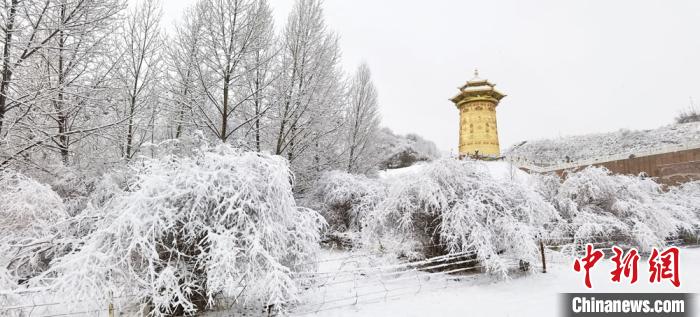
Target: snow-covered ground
535, 294
389, 174
505, 170
497, 169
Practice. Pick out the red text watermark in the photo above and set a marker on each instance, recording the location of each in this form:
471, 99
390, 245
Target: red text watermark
663, 265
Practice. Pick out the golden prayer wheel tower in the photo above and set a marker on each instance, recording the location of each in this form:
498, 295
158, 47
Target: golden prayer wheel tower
478, 130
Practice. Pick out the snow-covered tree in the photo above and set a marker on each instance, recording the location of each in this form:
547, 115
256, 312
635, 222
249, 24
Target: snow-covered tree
190, 231
53, 80
362, 122
183, 52
141, 75
230, 32
259, 77
30, 26
309, 93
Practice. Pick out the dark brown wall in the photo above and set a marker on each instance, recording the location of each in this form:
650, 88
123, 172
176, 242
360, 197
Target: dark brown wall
669, 168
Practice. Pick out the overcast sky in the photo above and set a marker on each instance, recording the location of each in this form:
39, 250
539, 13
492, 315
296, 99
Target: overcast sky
568, 67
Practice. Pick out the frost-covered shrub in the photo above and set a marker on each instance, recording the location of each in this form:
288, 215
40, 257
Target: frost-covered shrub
344, 199
73, 186
624, 208
102, 192
688, 195
27, 207
109, 186
460, 205
546, 185
189, 231
30, 217
689, 115
7, 283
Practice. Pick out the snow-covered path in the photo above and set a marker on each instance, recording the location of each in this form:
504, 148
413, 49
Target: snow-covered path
536, 294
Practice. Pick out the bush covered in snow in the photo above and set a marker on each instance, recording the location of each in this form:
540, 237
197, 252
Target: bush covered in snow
396, 151
688, 195
690, 115
190, 231
31, 214
344, 199
27, 207
596, 203
74, 186
459, 205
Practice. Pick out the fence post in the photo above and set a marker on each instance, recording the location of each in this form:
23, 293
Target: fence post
544, 262
110, 308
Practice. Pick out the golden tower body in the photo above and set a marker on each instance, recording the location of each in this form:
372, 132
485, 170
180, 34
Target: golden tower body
478, 130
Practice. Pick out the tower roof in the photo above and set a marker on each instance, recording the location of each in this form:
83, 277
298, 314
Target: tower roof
475, 88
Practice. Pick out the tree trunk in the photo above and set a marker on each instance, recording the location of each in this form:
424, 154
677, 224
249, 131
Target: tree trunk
6, 67
181, 115
60, 103
257, 127
224, 112
257, 104
130, 129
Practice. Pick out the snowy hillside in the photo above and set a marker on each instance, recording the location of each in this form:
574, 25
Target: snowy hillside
582, 147
399, 151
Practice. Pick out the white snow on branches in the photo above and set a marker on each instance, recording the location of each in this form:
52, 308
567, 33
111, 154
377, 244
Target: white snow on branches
190, 231
30, 216
621, 207
688, 195
344, 199
397, 151
460, 204
219, 226
27, 207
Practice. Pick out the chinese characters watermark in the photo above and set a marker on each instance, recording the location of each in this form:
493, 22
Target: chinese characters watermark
663, 265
